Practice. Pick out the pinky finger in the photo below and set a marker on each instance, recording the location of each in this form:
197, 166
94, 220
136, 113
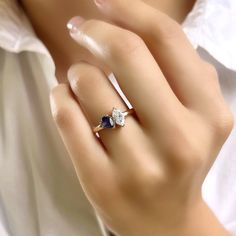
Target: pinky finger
88, 155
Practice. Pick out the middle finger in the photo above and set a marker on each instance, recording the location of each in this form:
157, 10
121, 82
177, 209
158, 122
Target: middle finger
137, 72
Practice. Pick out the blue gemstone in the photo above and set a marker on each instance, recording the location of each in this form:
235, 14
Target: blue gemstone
107, 122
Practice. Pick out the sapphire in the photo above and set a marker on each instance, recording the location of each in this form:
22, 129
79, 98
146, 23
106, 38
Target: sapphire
107, 122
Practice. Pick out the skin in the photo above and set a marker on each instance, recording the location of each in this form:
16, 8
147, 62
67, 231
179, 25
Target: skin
49, 19
144, 178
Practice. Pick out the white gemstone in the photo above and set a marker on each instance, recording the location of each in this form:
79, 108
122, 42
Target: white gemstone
118, 117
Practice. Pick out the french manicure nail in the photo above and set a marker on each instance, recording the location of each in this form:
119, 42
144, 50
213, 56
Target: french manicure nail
74, 23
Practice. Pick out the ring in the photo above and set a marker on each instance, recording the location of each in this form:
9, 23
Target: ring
111, 121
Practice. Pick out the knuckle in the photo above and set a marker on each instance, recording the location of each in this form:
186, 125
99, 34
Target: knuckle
83, 77
58, 110
166, 31
149, 177
223, 123
56, 91
62, 116
188, 159
145, 179
210, 71
125, 44
191, 159
222, 119
185, 153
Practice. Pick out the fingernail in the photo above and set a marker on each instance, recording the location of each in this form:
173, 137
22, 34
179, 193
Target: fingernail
99, 2
74, 23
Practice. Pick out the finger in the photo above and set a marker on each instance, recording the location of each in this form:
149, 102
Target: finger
97, 97
186, 73
134, 68
87, 153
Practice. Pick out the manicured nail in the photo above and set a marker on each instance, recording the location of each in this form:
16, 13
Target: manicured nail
99, 2
74, 23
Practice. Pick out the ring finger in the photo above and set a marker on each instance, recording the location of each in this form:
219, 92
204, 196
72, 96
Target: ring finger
97, 97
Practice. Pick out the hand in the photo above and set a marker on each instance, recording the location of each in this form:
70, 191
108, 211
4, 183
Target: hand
144, 178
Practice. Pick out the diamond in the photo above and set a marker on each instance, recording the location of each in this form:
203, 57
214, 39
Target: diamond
107, 122
118, 117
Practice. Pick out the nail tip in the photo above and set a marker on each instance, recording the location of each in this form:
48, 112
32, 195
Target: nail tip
69, 26
74, 23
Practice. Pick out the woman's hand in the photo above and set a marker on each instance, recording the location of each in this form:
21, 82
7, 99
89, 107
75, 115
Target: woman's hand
144, 178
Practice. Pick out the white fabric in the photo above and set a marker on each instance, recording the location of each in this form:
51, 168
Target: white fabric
39, 191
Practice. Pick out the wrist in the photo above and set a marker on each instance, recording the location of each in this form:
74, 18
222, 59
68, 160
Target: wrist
198, 221
201, 222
